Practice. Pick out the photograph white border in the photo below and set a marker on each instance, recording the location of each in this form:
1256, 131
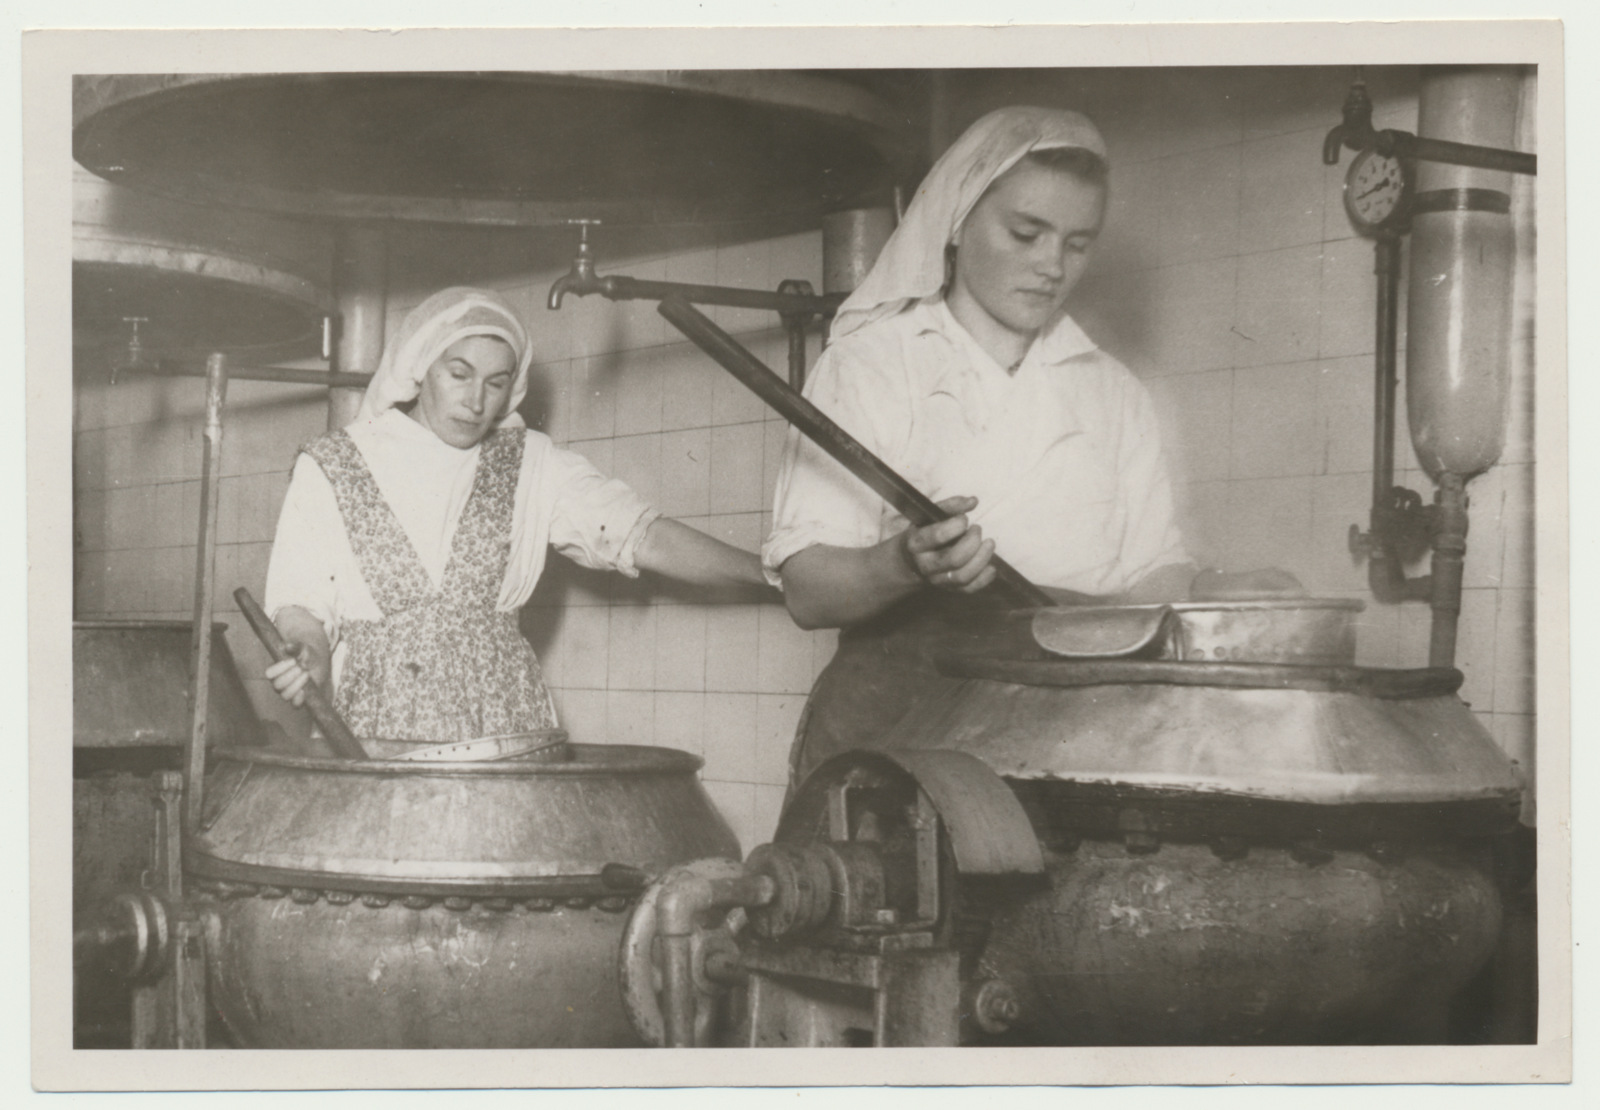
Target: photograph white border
49, 60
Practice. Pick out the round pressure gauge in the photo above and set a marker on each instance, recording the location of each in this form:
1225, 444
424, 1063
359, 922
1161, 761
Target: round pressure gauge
1377, 193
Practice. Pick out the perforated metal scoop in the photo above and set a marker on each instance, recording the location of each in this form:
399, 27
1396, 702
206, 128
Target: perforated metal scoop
547, 744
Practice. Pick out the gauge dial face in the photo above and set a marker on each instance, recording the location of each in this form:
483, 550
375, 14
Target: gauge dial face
1375, 190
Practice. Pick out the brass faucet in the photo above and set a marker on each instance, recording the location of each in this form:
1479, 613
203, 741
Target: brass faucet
581, 280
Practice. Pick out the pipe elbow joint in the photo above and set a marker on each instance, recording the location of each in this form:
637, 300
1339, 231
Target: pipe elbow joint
681, 900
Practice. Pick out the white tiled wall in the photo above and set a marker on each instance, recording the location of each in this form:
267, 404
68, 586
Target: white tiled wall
136, 482
1228, 279
630, 663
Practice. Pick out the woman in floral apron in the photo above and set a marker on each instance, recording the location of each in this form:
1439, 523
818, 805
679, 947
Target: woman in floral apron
410, 539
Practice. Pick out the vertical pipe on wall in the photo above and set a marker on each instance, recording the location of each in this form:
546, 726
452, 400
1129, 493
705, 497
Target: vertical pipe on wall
1386, 264
1386, 554
204, 575
1449, 558
797, 356
360, 282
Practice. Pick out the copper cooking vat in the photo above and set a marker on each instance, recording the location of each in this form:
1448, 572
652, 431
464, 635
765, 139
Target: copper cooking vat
1228, 848
396, 904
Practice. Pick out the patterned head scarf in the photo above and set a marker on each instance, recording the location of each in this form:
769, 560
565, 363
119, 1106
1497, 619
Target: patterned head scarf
912, 265
430, 328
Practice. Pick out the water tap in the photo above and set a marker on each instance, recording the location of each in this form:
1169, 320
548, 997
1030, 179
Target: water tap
581, 279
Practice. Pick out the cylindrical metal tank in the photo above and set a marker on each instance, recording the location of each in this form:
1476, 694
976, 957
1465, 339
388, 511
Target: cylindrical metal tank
199, 279
1237, 851
130, 718
852, 239
1462, 243
398, 904
1184, 946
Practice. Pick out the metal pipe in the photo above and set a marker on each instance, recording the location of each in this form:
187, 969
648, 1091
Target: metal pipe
746, 890
1386, 263
169, 1010
1464, 154
360, 279
794, 327
288, 375
682, 900
797, 356
677, 995
620, 287
194, 761
795, 301
1357, 133
1449, 554
579, 280
1009, 586
1386, 575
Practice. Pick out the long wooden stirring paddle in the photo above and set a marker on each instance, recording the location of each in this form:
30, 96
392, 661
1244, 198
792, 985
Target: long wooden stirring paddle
344, 742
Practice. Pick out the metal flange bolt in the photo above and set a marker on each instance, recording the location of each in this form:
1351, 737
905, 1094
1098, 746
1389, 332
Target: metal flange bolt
995, 1006
132, 938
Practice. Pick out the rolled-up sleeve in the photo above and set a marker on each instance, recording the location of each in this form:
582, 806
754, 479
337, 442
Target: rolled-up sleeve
304, 566
595, 521
818, 501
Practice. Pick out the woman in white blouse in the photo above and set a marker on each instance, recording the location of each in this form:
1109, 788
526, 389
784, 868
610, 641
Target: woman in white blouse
957, 363
410, 539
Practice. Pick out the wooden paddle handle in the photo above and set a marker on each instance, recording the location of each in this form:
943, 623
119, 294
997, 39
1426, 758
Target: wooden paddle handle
1009, 586
344, 741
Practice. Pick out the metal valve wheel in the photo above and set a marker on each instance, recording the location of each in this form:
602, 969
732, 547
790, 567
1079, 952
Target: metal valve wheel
714, 940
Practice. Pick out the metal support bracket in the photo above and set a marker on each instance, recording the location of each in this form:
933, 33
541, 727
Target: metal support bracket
169, 1009
990, 833
805, 997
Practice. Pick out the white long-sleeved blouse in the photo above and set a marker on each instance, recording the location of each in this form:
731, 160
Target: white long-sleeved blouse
1064, 455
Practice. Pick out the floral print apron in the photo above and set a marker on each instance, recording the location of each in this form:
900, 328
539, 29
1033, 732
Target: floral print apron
442, 665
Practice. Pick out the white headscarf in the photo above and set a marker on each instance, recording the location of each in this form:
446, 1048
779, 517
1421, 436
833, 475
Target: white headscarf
447, 316
912, 264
